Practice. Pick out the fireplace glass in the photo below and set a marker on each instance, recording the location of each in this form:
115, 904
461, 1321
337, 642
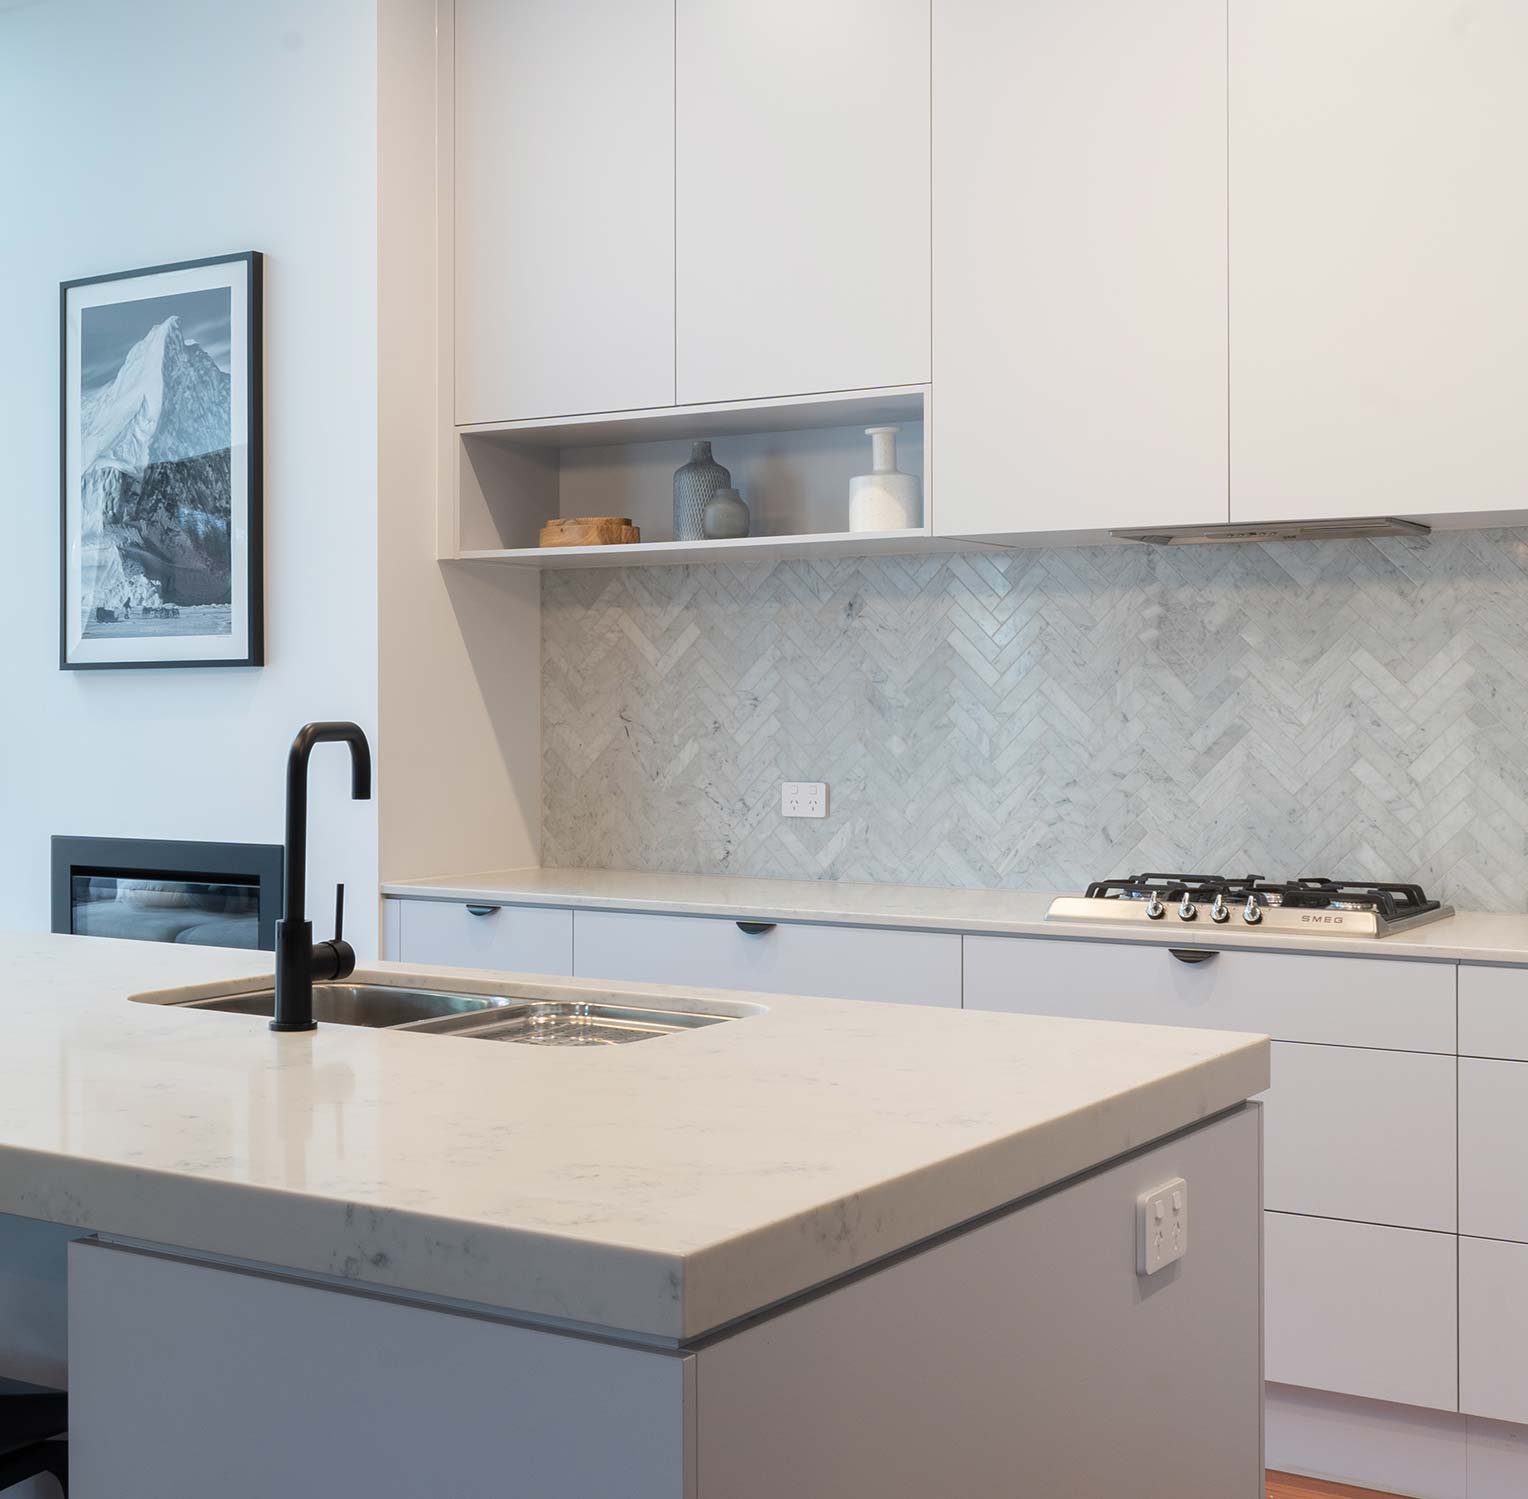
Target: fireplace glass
149, 890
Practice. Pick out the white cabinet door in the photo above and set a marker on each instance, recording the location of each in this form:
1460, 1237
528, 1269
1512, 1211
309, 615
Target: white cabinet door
518, 939
1378, 238
1361, 1310
1379, 1002
802, 160
1022, 1359
1493, 1149
1355, 1133
1493, 1012
1080, 253
563, 207
188, 1380
1493, 1329
896, 967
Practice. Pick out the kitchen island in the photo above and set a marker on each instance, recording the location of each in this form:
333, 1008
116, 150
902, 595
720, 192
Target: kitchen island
824, 1247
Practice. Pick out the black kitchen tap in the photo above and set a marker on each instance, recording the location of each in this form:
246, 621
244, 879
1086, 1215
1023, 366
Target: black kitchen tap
300, 960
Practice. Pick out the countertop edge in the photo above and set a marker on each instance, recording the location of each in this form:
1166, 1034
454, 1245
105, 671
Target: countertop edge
128, 1202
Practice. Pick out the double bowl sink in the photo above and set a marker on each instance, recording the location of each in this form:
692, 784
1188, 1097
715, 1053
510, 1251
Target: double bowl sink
485, 1017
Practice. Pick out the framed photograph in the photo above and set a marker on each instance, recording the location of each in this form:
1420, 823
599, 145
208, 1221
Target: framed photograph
160, 535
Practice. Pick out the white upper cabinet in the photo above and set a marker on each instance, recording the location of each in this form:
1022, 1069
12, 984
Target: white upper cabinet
563, 207
802, 163
1379, 230
1079, 265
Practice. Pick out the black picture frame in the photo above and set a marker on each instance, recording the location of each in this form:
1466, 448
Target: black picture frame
168, 859
246, 647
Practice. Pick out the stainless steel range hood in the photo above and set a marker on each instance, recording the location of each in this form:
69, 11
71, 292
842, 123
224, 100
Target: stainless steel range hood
1293, 530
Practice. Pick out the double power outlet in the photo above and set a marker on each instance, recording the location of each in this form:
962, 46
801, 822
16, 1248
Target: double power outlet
803, 798
1161, 1226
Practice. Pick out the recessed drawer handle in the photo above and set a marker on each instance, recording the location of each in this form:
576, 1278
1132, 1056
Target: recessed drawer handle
481, 910
1192, 954
755, 928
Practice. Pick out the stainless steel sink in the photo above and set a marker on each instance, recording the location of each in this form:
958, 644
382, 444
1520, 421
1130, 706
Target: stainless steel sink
377, 1005
545, 1022
486, 1017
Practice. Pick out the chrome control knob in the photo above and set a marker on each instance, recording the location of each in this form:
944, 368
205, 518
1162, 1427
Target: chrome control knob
1252, 913
1220, 912
1187, 910
1155, 910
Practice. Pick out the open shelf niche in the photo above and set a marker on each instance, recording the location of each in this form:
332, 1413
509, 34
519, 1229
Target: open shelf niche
791, 460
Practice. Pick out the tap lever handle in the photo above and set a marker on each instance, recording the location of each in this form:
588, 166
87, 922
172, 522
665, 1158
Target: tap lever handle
339, 911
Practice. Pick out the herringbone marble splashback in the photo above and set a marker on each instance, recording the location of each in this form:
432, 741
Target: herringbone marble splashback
1038, 718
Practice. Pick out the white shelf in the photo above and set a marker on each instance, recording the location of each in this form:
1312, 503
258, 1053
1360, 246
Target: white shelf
837, 408
792, 457
826, 544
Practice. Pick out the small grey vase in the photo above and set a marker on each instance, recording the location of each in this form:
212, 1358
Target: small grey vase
694, 484
726, 516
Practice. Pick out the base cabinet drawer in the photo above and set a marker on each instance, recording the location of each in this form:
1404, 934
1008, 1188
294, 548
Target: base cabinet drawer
897, 967
1361, 1310
1354, 1133
1493, 1012
1381, 1002
518, 939
1493, 1329
1493, 1149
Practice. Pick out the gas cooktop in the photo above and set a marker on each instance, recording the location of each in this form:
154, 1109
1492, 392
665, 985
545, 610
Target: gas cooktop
1337, 908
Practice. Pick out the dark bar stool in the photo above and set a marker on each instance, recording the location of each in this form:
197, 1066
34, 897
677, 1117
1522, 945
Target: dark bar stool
30, 1415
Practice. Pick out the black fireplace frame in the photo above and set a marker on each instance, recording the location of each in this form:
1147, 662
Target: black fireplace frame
169, 859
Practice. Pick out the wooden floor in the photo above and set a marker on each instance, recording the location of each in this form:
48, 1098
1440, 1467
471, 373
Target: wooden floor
1287, 1486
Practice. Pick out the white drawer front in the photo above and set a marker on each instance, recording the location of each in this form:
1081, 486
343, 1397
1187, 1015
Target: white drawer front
1361, 1310
1493, 1012
790, 958
1493, 1329
518, 939
1381, 1002
1493, 1149
1355, 1133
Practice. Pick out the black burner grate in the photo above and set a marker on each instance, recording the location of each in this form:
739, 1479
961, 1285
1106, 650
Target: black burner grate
1394, 902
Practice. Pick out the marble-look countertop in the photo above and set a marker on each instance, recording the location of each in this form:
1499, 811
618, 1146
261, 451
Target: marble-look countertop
660, 1189
1466, 936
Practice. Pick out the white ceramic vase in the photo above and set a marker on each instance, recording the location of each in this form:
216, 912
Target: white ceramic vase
884, 499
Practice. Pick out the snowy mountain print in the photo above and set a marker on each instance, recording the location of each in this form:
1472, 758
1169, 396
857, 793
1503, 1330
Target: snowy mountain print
155, 471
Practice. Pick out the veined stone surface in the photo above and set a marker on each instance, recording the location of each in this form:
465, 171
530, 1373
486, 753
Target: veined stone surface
1035, 719
663, 1189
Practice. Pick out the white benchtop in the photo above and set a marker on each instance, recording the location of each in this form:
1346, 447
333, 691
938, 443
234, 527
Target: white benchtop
661, 1188
1467, 936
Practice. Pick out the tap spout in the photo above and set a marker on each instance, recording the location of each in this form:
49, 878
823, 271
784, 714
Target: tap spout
298, 960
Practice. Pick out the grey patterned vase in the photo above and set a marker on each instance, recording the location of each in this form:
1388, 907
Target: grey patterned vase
694, 483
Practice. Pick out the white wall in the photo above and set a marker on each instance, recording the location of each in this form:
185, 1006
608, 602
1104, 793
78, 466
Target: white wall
161, 130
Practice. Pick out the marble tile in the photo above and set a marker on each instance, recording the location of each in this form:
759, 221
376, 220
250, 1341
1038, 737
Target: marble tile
1033, 719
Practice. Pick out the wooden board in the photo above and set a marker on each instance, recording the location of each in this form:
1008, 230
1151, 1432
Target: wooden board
590, 531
